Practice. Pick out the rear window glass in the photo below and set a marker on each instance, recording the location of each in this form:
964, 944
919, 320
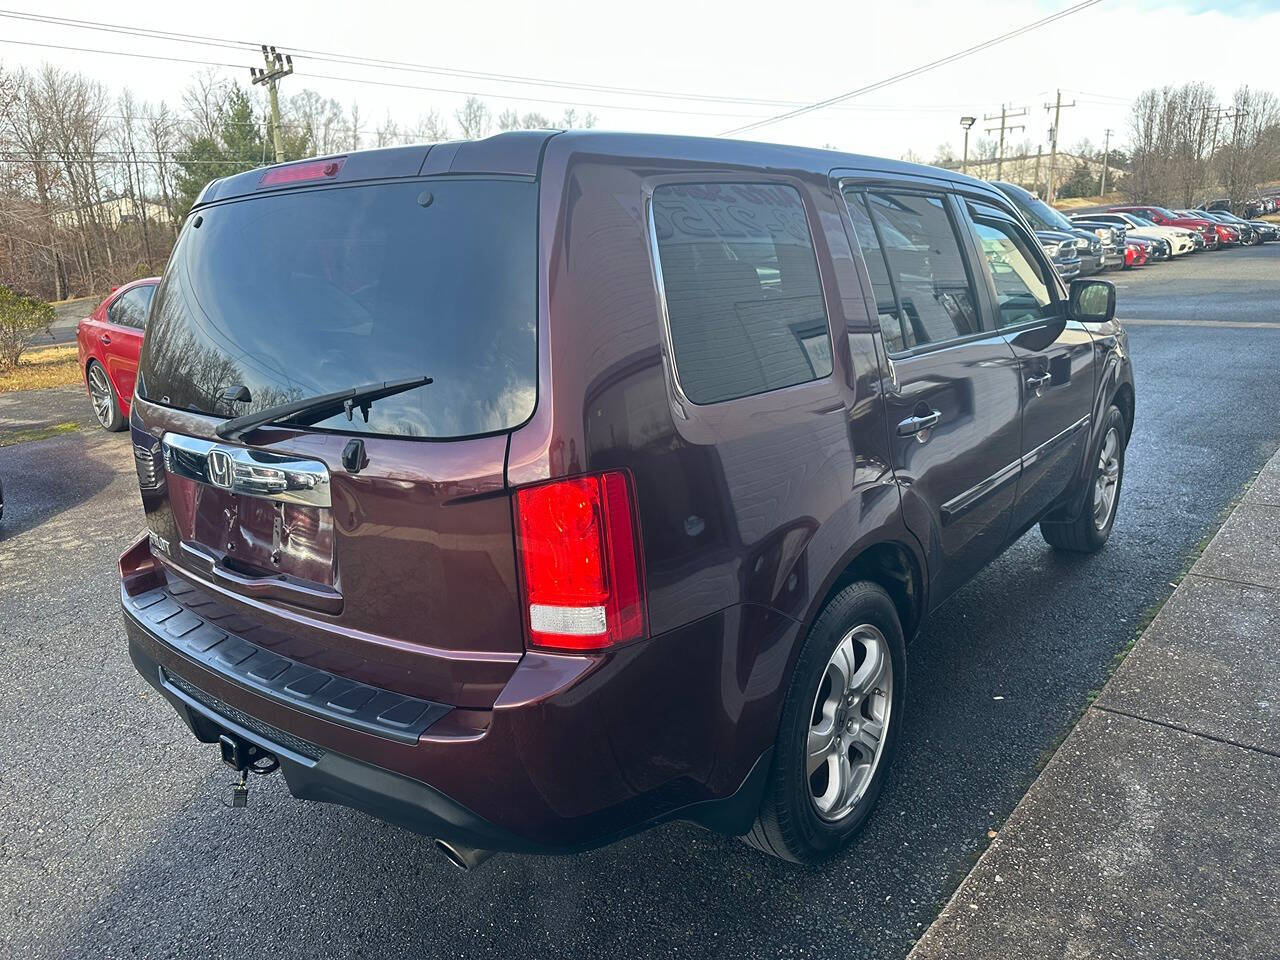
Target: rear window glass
744, 302
312, 291
895, 339
920, 243
130, 308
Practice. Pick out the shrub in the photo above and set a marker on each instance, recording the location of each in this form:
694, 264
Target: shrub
21, 318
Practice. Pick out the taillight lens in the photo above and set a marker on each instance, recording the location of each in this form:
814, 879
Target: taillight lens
581, 570
302, 172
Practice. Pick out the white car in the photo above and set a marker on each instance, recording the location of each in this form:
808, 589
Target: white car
1135, 226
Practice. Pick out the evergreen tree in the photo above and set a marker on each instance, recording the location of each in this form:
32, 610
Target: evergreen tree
240, 145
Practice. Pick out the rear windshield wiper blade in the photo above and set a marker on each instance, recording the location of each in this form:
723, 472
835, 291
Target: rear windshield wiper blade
315, 409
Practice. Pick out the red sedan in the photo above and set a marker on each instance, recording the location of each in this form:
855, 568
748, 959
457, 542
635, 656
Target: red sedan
109, 340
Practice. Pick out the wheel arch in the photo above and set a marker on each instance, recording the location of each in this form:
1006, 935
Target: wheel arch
891, 564
1125, 399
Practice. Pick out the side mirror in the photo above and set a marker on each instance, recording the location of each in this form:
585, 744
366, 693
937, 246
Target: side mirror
1092, 301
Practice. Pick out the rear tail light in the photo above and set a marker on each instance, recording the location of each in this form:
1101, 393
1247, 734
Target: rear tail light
302, 172
581, 572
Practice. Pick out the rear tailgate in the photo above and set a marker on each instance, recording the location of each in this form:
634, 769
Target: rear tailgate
398, 568
406, 581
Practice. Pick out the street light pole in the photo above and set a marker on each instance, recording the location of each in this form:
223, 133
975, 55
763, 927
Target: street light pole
966, 122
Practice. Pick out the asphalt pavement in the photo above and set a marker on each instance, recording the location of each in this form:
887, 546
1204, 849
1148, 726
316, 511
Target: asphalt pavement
116, 841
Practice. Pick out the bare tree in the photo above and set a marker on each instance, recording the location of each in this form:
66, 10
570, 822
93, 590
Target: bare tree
203, 101
356, 127
431, 128
473, 118
388, 134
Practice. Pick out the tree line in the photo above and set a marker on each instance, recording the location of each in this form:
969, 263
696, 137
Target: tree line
94, 185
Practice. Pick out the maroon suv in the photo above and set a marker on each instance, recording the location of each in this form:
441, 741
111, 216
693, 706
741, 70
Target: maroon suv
531, 491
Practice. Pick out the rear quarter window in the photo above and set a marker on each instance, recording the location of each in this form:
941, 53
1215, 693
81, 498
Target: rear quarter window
743, 298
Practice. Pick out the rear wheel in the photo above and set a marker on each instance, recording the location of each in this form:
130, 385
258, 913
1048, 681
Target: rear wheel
839, 729
1088, 533
103, 396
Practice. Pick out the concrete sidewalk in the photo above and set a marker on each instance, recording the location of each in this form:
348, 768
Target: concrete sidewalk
1155, 829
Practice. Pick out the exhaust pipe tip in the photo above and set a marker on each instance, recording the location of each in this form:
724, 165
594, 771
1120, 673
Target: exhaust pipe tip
464, 858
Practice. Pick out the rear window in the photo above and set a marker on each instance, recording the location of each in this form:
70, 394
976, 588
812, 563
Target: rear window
312, 291
744, 303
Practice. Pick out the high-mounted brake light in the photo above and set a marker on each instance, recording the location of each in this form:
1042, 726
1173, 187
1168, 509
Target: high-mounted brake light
302, 172
581, 572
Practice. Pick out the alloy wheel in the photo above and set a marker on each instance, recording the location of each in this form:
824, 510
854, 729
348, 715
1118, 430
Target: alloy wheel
100, 395
848, 722
1107, 483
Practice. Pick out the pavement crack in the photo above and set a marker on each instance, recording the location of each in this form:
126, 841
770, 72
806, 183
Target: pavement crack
1238, 583
1181, 728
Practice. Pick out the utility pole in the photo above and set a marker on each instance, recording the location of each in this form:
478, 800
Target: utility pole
1106, 156
1005, 117
1219, 114
276, 68
966, 122
1057, 108
1035, 184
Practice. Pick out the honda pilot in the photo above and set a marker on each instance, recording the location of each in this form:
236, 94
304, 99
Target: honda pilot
531, 491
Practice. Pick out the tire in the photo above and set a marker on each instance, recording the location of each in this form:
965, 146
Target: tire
102, 395
1088, 533
791, 824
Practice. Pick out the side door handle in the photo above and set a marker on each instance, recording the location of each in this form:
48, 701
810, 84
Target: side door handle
1038, 382
104, 338
919, 423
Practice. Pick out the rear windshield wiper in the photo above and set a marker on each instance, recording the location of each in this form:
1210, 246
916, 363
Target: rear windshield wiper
315, 409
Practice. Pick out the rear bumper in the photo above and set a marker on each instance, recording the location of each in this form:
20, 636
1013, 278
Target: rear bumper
568, 758
313, 773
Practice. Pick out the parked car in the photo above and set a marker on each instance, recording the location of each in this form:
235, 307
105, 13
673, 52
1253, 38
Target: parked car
1215, 234
1062, 249
1179, 240
108, 341
1138, 253
532, 490
1043, 217
1248, 234
1111, 240
1251, 231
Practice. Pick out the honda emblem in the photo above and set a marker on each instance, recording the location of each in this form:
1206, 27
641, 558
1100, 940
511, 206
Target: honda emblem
221, 468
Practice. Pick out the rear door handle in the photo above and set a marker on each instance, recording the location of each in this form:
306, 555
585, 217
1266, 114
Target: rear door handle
919, 423
104, 338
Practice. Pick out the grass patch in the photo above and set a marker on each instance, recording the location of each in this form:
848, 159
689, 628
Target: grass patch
8, 439
45, 367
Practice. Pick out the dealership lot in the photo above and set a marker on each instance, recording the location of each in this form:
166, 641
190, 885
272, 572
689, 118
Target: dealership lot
116, 841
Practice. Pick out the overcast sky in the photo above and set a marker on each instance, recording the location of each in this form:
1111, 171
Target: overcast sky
1099, 57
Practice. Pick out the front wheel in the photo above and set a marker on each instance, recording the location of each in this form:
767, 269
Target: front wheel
1088, 533
839, 729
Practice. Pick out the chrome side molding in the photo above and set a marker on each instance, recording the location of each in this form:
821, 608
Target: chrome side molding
242, 470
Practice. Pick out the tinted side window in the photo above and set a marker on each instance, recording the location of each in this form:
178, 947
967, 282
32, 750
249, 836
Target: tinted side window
886, 301
938, 302
1022, 293
130, 308
743, 299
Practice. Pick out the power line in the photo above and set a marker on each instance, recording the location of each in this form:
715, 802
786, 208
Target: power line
382, 63
387, 64
914, 71
377, 83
